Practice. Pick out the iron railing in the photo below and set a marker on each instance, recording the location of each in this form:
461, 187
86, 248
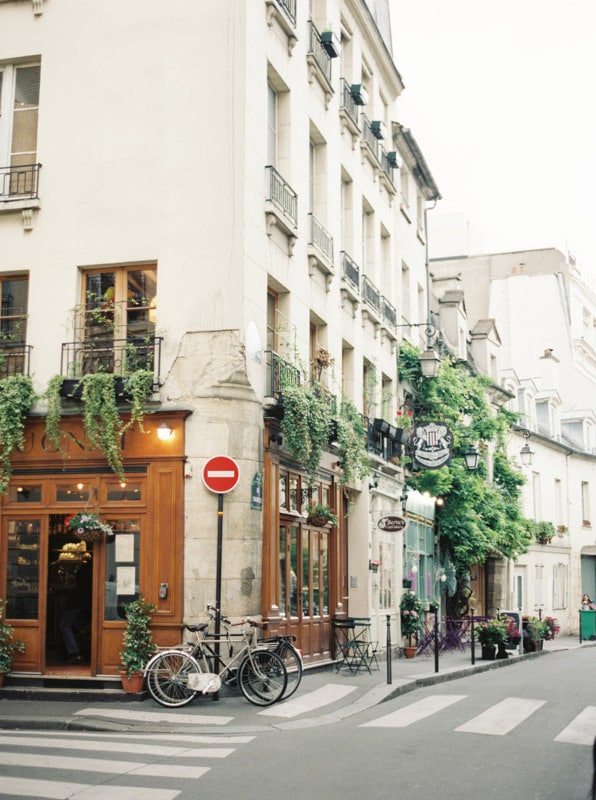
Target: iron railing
279, 373
371, 295
289, 7
369, 137
19, 183
385, 163
115, 356
320, 55
350, 271
321, 238
14, 359
347, 101
383, 439
388, 311
282, 195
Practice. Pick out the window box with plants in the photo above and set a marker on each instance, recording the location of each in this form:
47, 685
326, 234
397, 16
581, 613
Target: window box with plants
331, 43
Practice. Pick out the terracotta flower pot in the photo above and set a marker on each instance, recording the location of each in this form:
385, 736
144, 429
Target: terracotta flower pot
134, 684
410, 652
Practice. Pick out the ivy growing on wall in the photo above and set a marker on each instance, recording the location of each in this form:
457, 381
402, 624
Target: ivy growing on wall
480, 519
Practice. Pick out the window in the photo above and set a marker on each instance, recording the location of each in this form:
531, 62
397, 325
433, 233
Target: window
19, 108
117, 319
560, 586
585, 491
14, 290
272, 126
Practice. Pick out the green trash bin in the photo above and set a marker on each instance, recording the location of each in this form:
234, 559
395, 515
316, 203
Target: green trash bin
587, 625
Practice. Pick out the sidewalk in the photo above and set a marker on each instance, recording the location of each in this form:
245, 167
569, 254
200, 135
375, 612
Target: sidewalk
231, 713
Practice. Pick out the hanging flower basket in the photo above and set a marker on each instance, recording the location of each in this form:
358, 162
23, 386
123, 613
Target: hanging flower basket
87, 526
320, 515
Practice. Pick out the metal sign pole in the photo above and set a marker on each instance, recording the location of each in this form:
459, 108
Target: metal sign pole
220, 505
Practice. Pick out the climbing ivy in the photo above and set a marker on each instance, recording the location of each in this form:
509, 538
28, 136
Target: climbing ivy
479, 519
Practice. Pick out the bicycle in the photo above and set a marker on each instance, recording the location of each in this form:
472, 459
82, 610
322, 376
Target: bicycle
175, 676
281, 644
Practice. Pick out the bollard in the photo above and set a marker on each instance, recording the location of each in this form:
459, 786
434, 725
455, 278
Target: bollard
436, 637
388, 648
473, 645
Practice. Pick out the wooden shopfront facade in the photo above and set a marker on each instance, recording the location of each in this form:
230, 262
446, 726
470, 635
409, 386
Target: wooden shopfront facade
40, 560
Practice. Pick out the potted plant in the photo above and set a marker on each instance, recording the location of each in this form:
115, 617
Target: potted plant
8, 645
545, 532
320, 515
411, 613
331, 43
491, 634
374, 564
138, 645
552, 628
534, 634
87, 525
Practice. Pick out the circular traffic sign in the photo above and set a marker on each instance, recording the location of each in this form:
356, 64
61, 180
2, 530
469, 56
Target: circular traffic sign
221, 474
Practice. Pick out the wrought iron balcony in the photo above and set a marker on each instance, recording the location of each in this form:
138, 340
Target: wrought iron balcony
19, 183
281, 195
115, 356
14, 358
348, 103
350, 271
319, 53
371, 295
289, 6
321, 238
389, 313
279, 373
369, 138
383, 439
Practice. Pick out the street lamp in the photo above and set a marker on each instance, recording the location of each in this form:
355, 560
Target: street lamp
526, 455
429, 360
471, 457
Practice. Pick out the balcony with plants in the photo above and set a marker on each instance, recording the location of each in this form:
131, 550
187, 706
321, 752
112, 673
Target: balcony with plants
322, 48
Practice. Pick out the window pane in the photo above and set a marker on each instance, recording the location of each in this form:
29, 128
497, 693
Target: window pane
282, 570
26, 101
22, 569
119, 493
293, 572
72, 492
27, 87
122, 567
24, 494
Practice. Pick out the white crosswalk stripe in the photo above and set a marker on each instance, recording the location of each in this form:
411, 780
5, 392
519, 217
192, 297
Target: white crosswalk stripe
415, 711
309, 701
154, 755
502, 717
581, 730
175, 717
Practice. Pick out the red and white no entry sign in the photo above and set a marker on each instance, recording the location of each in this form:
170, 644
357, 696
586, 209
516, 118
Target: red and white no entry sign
221, 474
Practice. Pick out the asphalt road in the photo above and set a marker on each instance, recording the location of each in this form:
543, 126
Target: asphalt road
520, 733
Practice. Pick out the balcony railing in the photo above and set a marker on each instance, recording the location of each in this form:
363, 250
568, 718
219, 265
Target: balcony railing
371, 295
347, 101
321, 238
383, 439
282, 195
19, 183
289, 6
369, 137
385, 163
322, 59
279, 373
350, 271
388, 311
14, 359
115, 356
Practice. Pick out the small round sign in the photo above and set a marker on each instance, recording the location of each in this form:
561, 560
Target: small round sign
391, 523
221, 474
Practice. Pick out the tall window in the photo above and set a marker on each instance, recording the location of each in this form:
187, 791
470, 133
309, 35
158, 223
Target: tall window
19, 108
585, 490
119, 303
13, 324
271, 126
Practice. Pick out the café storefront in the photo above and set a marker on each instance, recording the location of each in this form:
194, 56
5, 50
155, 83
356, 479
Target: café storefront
45, 569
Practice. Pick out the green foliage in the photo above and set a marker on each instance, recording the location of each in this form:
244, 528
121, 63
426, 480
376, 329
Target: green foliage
479, 519
537, 629
8, 644
544, 532
306, 425
138, 645
411, 614
16, 398
323, 512
101, 418
138, 386
351, 439
52, 397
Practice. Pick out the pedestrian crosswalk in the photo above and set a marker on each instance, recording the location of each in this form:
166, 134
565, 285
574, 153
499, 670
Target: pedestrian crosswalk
28, 761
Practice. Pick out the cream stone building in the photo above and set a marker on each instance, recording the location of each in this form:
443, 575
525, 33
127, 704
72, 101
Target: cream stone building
214, 192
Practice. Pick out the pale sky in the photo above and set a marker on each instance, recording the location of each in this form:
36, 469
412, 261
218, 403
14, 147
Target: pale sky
501, 97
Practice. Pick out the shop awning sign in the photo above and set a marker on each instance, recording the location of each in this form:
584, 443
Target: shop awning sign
431, 445
392, 524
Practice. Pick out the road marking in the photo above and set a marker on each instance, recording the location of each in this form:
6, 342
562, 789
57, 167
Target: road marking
582, 730
155, 716
415, 711
49, 790
41, 761
327, 694
502, 717
197, 738
117, 747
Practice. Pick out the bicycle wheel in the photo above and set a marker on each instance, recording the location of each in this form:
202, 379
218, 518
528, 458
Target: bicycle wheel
262, 677
167, 678
293, 664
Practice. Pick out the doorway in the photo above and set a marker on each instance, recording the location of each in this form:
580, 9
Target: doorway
69, 598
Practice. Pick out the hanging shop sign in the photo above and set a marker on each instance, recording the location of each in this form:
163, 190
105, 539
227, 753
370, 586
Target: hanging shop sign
432, 443
391, 524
